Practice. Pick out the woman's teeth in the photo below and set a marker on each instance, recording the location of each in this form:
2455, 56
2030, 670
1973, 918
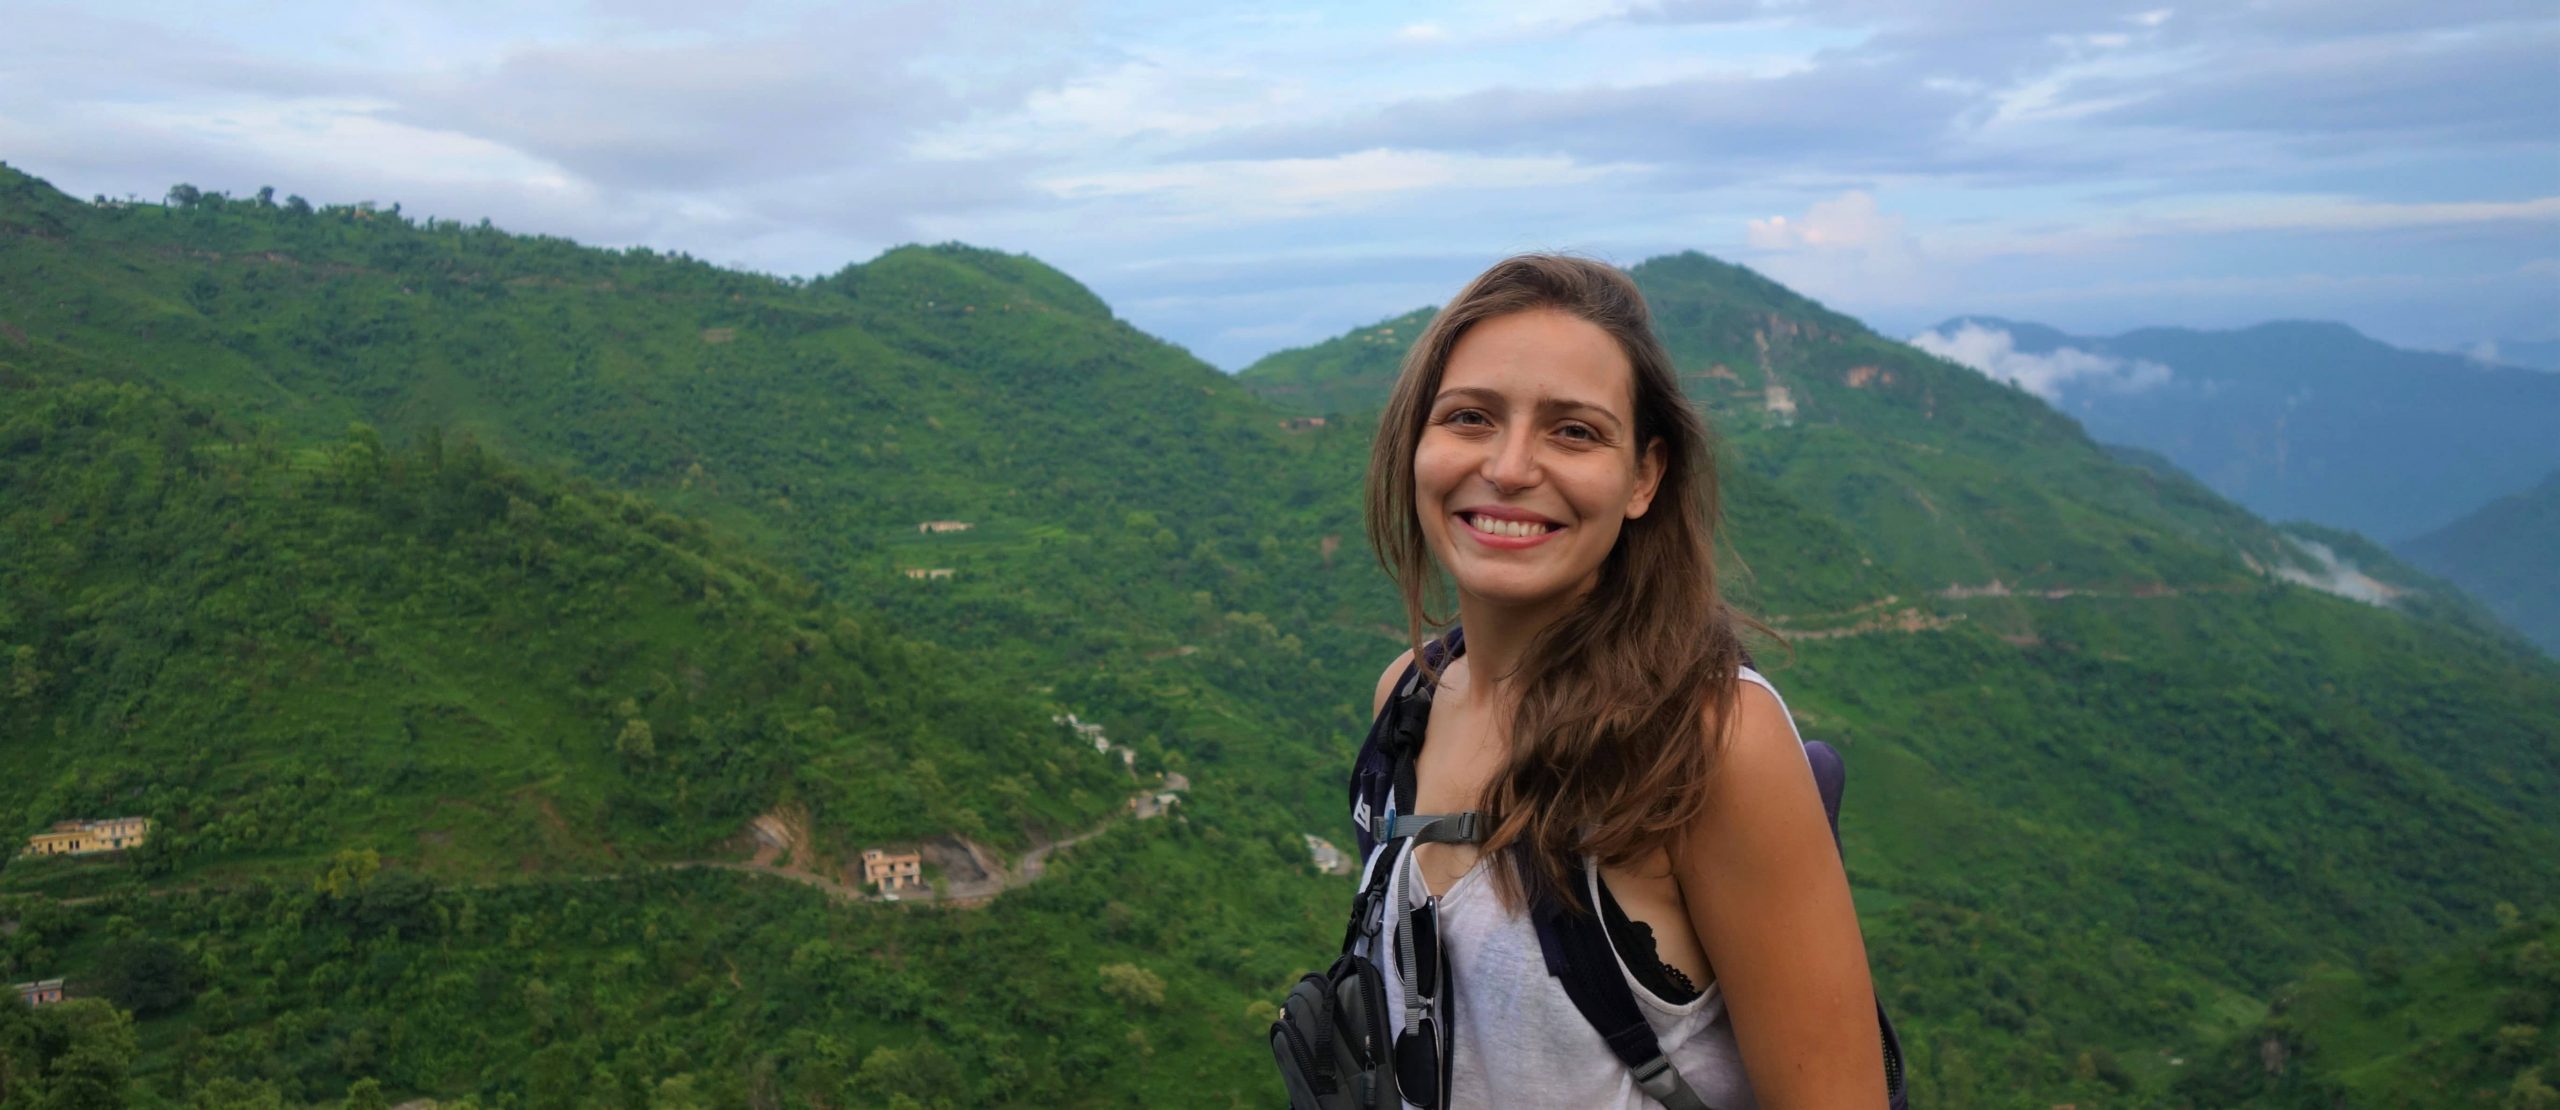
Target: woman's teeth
1516, 529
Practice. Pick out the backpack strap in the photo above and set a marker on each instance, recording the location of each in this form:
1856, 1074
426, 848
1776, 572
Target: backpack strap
1382, 777
1440, 828
1578, 954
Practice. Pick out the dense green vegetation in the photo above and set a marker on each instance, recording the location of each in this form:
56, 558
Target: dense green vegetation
1347, 375
2502, 554
282, 655
435, 587
682, 989
2471, 1026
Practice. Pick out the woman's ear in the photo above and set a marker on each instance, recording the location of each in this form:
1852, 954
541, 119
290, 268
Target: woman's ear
1649, 465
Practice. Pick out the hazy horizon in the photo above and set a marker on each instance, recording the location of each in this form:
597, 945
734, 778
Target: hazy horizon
1241, 183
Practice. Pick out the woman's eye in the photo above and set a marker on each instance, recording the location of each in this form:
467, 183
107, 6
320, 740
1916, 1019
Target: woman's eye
1578, 432
1465, 418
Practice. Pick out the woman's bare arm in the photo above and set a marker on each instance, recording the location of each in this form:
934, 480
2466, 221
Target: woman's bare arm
1770, 903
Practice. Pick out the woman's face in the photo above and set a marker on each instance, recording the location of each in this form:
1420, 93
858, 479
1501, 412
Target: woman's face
1528, 467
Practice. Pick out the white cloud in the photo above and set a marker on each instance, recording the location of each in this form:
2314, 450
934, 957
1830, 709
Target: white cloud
1850, 221
1994, 352
2333, 574
1846, 248
1288, 187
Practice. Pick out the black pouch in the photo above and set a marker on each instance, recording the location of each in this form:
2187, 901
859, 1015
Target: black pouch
1331, 1040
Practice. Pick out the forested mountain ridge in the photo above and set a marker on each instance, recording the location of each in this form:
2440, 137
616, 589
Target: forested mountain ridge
2104, 807
2503, 553
476, 670
2311, 420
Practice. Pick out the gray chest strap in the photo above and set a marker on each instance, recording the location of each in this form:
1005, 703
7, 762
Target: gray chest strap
1440, 828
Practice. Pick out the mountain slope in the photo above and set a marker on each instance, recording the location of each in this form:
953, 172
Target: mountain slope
2503, 554
1347, 375
2311, 421
2469, 1026
428, 654
2111, 785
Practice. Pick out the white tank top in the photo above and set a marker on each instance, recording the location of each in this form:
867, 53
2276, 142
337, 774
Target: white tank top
1519, 1041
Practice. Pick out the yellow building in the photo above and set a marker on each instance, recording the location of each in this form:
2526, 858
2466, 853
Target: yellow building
79, 838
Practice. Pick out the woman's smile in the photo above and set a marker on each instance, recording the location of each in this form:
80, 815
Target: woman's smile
1507, 529
1529, 466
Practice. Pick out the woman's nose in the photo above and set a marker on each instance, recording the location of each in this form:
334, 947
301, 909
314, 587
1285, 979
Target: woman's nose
1513, 463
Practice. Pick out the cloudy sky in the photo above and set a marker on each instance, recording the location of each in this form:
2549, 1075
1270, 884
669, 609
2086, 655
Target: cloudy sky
1242, 180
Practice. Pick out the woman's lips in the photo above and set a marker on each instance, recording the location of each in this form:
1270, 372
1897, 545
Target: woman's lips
1505, 533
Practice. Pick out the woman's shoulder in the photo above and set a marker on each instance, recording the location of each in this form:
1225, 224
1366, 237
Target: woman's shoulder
1760, 725
1760, 713
1387, 681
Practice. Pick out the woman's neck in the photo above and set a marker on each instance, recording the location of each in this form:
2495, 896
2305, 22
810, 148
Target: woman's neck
1497, 638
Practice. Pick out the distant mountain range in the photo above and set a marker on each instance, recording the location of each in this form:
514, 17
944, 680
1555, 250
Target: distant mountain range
2507, 554
2297, 421
2543, 354
2316, 422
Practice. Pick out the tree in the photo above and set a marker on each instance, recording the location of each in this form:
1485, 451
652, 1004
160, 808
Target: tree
88, 1073
366, 1094
349, 870
2530, 1093
184, 195
146, 976
295, 205
1132, 985
266, 196
227, 1093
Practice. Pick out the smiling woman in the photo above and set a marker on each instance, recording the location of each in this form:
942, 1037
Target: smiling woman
1598, 862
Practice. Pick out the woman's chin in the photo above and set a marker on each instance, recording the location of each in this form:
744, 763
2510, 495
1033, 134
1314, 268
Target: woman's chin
1509, 592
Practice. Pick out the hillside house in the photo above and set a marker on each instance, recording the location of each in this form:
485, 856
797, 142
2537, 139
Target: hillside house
938, 527
1327, 858
1302, 423
80, 838
926, 574
1781, 402
43, 992
890, 872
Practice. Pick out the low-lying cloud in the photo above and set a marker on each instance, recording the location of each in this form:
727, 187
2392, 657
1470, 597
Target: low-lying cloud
1995, 353
2332, 573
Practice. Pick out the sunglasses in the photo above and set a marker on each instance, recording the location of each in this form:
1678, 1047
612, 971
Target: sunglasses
1419, 1050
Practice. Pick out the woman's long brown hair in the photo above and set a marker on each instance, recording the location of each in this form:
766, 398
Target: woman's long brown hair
1623, 701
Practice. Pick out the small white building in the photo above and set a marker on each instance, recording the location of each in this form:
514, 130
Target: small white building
1782, 404
1326, 857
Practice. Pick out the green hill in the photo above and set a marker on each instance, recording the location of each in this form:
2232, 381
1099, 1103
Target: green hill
2469, 1026
2503, 555
440, 756
471, 669
2114, 781
1347, 375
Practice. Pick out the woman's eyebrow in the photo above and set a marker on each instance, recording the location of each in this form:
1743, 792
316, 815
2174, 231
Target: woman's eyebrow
1480, 395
